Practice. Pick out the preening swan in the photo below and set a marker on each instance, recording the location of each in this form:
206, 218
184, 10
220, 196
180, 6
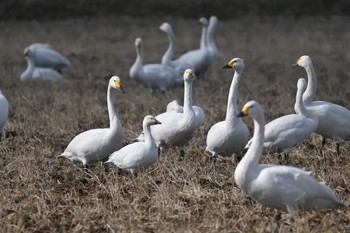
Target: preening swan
167, 58
334, 120
138, 155
38, 73
199, 58
153, 76
177, 128
4, 112
285, 132
231, 135
97, 144
279, 187
44, 55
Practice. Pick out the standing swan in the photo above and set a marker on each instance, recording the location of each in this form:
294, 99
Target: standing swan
138, 155
198, 58
279, 187
168, 55
285, 132
153, 76
97, 144
231, 135
177, 128
45, 56
4, 112
334, 120
33, 73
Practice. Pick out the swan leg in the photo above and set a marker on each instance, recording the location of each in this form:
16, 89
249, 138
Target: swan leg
213, 158
276, 219
337, 146
323, 142
182, 153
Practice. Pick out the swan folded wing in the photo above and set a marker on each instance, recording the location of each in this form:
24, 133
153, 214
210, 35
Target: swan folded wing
290, 188
47, 57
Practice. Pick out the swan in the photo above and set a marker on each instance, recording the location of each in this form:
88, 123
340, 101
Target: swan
211, 45
97, 144
4, 112
138, 155
38, 73
333, 119
153, 76
177, 128
231, 135
287, 131
198, 58
167, 57
276, 186
45, 56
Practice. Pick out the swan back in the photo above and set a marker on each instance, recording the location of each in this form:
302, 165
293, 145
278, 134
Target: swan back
4, 111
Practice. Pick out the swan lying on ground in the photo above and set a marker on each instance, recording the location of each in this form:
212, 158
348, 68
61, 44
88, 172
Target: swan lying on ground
231, 135
285, 132
97, 144
177, 128
333, 119
279, 187
138, 155
153, 76
4, 112
167, 58
44, 55
33, 73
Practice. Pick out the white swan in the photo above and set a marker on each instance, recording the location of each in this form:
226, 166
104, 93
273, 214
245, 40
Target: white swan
4, 112
211, 45
97, 144
44, 55
199, 58
231, 135
279, 187
285, 132
33, 73
334, 120
153, 76
167, 58
138, 155
177, 128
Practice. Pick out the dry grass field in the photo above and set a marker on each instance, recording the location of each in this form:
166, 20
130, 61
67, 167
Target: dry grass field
40, 193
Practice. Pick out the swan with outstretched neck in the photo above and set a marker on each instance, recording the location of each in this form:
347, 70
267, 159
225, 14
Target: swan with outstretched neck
154, 76
97, 144
334, 120
231, 135
280, 187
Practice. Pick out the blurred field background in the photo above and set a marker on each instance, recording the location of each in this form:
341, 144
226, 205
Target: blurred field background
40, 193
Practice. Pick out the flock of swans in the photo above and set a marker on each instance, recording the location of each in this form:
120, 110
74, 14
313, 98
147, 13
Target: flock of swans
278, 186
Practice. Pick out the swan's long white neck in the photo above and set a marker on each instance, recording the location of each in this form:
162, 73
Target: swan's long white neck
30, 67
167, 57
246, 169
203, 41
147, 134
299, 105
188, 97
210, 38
310, 91
113, 118
232, 109
137, 66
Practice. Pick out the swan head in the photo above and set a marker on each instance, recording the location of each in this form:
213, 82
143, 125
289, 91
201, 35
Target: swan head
150, 120
251, 108
213, 20
235, 63
301, 85
116, 83
165, 27
26, 52
203, 21
138, 42
304, 61
188, 75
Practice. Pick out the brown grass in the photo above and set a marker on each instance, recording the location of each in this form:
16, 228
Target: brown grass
40, 193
